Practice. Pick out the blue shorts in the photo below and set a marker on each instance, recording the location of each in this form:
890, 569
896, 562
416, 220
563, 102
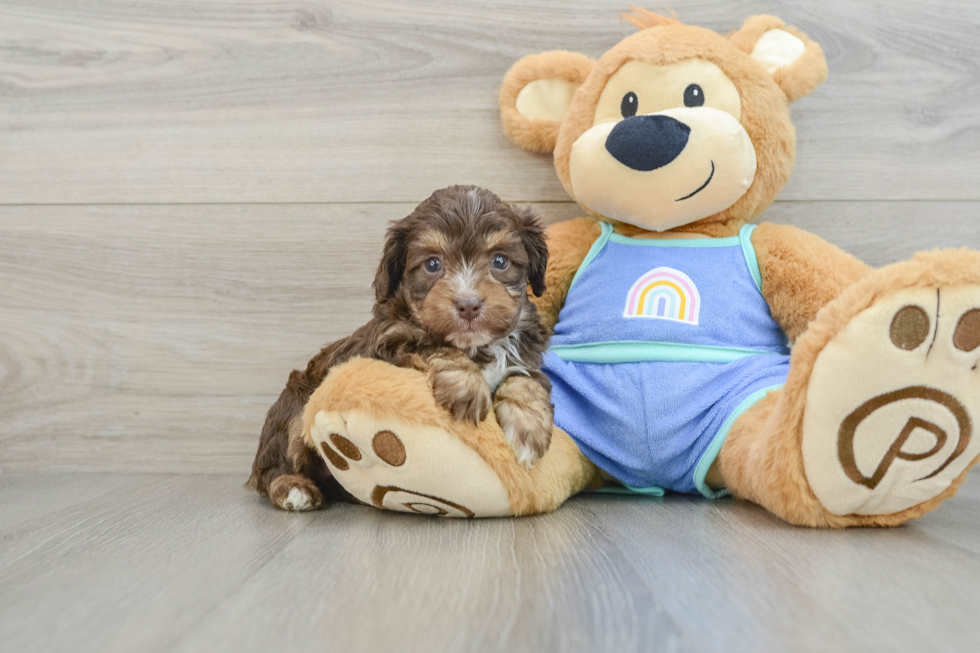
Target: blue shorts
658, 424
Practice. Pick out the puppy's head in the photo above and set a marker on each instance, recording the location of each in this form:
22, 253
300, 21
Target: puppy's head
461, 264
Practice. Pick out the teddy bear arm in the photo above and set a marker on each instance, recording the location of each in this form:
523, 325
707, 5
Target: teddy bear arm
568, 245
801, 273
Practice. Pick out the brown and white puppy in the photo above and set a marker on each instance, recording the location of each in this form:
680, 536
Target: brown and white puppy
451, 299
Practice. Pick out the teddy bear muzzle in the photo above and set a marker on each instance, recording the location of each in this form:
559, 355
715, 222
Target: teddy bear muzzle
662, 170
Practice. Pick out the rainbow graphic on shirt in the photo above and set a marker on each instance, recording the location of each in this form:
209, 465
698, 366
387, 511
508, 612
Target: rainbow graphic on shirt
665, 294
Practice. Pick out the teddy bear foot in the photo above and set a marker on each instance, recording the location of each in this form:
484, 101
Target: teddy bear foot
401, 466
386, 441
893, 404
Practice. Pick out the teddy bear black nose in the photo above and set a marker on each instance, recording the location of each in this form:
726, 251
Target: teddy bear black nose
647, 142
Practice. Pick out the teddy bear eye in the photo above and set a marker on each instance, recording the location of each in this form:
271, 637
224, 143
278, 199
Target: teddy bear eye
693, 96
630, 105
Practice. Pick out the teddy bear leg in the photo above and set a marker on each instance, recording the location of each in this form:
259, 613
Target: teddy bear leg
385, 440
877, 422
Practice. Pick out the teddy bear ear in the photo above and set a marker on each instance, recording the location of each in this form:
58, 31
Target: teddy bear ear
537, 92
796, 63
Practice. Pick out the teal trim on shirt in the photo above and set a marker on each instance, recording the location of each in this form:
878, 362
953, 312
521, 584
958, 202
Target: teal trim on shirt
745, 236
626, 488
597, 246
677, 242
651, 352
711, 453
743, 239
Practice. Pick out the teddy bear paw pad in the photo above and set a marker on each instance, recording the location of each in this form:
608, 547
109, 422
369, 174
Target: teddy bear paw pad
893, 403
407, 467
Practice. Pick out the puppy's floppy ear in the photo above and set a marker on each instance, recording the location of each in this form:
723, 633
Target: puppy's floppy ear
796, 63
532, 235
393, 260
537, 92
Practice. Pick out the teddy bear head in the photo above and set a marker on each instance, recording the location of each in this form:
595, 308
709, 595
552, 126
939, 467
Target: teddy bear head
677, 127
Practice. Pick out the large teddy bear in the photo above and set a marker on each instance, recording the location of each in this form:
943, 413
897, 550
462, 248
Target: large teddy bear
692, 351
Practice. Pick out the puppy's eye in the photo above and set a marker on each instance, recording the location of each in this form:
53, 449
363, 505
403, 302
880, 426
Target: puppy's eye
499, 262
433, 265
693, 96
630, 105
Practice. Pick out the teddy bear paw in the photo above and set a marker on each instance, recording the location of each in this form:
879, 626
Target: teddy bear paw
893, 403
407, 467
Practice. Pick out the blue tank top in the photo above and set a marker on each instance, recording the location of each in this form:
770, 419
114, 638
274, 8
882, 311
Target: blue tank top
660, 346
644, 300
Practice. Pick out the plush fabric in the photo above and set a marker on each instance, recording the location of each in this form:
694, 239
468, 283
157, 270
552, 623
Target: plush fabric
765, 112
689, 347
876, 419
364, 397
568, 244
762, 458
803, 274
926, 409
699, 294
533, 132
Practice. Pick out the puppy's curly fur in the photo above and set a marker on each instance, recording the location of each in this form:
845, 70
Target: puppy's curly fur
451, 299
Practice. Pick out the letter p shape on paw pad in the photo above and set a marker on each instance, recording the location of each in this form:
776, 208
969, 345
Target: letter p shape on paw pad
893, 406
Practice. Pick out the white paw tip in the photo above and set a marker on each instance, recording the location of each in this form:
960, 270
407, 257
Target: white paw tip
526, 457
297, 499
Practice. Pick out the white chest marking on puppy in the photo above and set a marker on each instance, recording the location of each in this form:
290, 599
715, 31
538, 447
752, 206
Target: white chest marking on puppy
504, 351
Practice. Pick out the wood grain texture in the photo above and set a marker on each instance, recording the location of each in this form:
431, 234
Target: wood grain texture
154, 338
195, 563
129, 101
192, 202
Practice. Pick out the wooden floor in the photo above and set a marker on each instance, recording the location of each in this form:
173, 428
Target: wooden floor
109, 563
192, 197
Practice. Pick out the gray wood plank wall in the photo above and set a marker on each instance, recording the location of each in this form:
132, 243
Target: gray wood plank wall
192, 194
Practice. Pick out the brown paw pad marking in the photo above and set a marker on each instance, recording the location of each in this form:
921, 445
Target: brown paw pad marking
910, 327
345, 446
335, 458
967, 334
389, 448
423, 504
848, 429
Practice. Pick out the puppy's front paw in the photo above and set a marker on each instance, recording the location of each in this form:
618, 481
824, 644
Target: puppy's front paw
523, 409
295, 493
461, 391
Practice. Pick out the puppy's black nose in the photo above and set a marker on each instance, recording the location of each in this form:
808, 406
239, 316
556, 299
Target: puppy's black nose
647, 142
469, 309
